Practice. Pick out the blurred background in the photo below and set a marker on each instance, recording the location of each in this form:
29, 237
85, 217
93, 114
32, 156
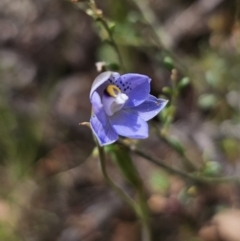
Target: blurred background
51, 184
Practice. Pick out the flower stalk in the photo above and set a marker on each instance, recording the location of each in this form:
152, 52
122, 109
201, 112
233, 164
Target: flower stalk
99, 17
114, 186
144, 214
140, 207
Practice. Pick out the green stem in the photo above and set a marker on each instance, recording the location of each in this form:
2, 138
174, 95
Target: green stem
144, 215
237, 10
191, 177
162, 38
104, 23
187, 163
117, 189
141, 209
113, 42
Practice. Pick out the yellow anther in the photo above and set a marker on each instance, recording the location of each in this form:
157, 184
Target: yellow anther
113, 90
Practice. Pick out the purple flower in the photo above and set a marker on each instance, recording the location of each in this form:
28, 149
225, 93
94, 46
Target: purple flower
121, 106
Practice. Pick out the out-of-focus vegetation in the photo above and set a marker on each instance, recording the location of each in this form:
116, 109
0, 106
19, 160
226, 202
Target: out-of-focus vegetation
51, 184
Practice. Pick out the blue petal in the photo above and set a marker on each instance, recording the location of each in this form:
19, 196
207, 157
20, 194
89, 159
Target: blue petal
97, 106
104, 133
136, 86
129, 124
114, 77
150, 107
102, 80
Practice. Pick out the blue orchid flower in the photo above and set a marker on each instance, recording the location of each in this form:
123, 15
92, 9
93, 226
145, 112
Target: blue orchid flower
121, 106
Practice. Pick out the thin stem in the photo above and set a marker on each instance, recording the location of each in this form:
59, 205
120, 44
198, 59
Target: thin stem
191, 177
117, 189
160, 163
163, 135
162, 38
188, 164
105, 25
144, 215
237, 10
141, 209
113, 42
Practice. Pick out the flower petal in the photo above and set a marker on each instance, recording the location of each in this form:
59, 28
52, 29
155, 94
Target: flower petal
98, 108
150, 107
105, 134
129, 124
136, 86
102, 80
101, 127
